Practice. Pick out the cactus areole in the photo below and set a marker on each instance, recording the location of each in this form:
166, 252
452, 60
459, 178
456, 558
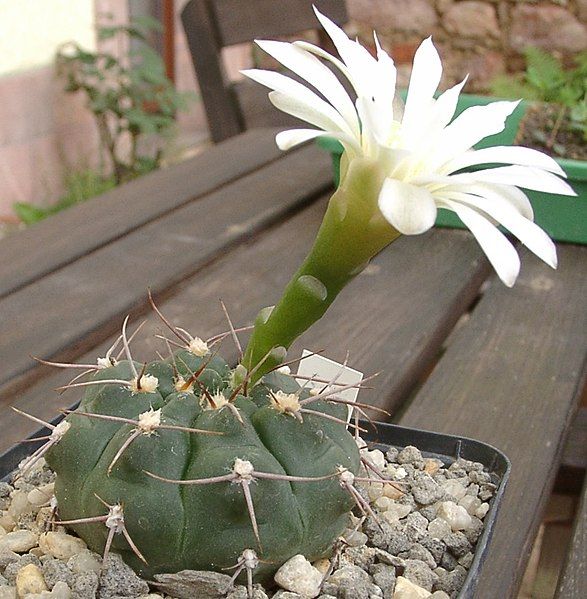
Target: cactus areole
261, 471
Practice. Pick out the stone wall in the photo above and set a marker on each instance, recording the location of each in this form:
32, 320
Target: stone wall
481, 37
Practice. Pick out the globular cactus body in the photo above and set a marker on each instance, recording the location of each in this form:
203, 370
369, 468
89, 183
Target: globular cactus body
203, 526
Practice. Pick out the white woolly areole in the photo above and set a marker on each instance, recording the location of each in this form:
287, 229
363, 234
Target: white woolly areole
286, 403
115, 520
218, 401
105, 362
250, 558
198, 347
147, 384
181, 385
243, 469
60, 430
346, 476
284, 370
149, 421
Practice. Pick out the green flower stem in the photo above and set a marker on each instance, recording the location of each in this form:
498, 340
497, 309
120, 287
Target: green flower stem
352, 232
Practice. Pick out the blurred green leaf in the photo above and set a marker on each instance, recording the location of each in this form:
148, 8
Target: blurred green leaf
29, 214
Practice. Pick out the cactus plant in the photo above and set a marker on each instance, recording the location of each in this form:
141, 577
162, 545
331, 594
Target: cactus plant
191, 468
187, 463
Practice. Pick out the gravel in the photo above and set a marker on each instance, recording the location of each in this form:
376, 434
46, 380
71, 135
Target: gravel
418, 541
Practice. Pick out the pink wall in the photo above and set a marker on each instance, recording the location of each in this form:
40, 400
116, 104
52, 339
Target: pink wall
44, 131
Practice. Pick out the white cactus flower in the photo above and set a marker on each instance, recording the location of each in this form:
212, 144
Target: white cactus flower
423, 150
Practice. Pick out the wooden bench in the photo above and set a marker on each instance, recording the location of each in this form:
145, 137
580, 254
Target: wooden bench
458, 351
211, 25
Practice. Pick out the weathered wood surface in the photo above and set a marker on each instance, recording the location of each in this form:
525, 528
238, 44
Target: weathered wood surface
239, 21
112, 280
572, 583
56, 242
257, 110
224, 117
512, 376
575, 453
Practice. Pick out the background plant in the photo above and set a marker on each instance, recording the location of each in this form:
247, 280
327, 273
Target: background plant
80, 185
547, 80
129, 101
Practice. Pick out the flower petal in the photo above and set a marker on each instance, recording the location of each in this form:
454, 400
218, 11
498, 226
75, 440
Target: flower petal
530, 234
523, 176
286, 140
302, 96
446, 104
506, 155
314, 113
410, 209
308, 67
500, 252
424, 81
511, 194
356, 58
470, 127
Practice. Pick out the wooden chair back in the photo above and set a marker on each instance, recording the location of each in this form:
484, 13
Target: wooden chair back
210, 25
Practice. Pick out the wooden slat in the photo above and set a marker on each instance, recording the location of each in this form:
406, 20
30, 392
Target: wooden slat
239, 21
257, 110
393, 317
30, 254
575, 453
572, 583
511, 377
89, 293
224, 119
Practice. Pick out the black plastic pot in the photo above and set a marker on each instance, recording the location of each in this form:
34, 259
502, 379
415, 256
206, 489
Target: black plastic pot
446, 448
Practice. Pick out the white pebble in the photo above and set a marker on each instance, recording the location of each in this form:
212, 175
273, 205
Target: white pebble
383, 502
482, 510
41, 495
19, 504
439, 528
456, 515
377, 458
2, 531
470, 503
406, 589
396, 511
19, 541
61, 545
85, 561
322, 565
400, 473
8, 593
30, 580
375, 490
299, 576
454, 488
355, 538
7, 522
59, 591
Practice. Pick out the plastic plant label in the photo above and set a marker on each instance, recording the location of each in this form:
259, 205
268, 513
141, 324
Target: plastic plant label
325, 369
